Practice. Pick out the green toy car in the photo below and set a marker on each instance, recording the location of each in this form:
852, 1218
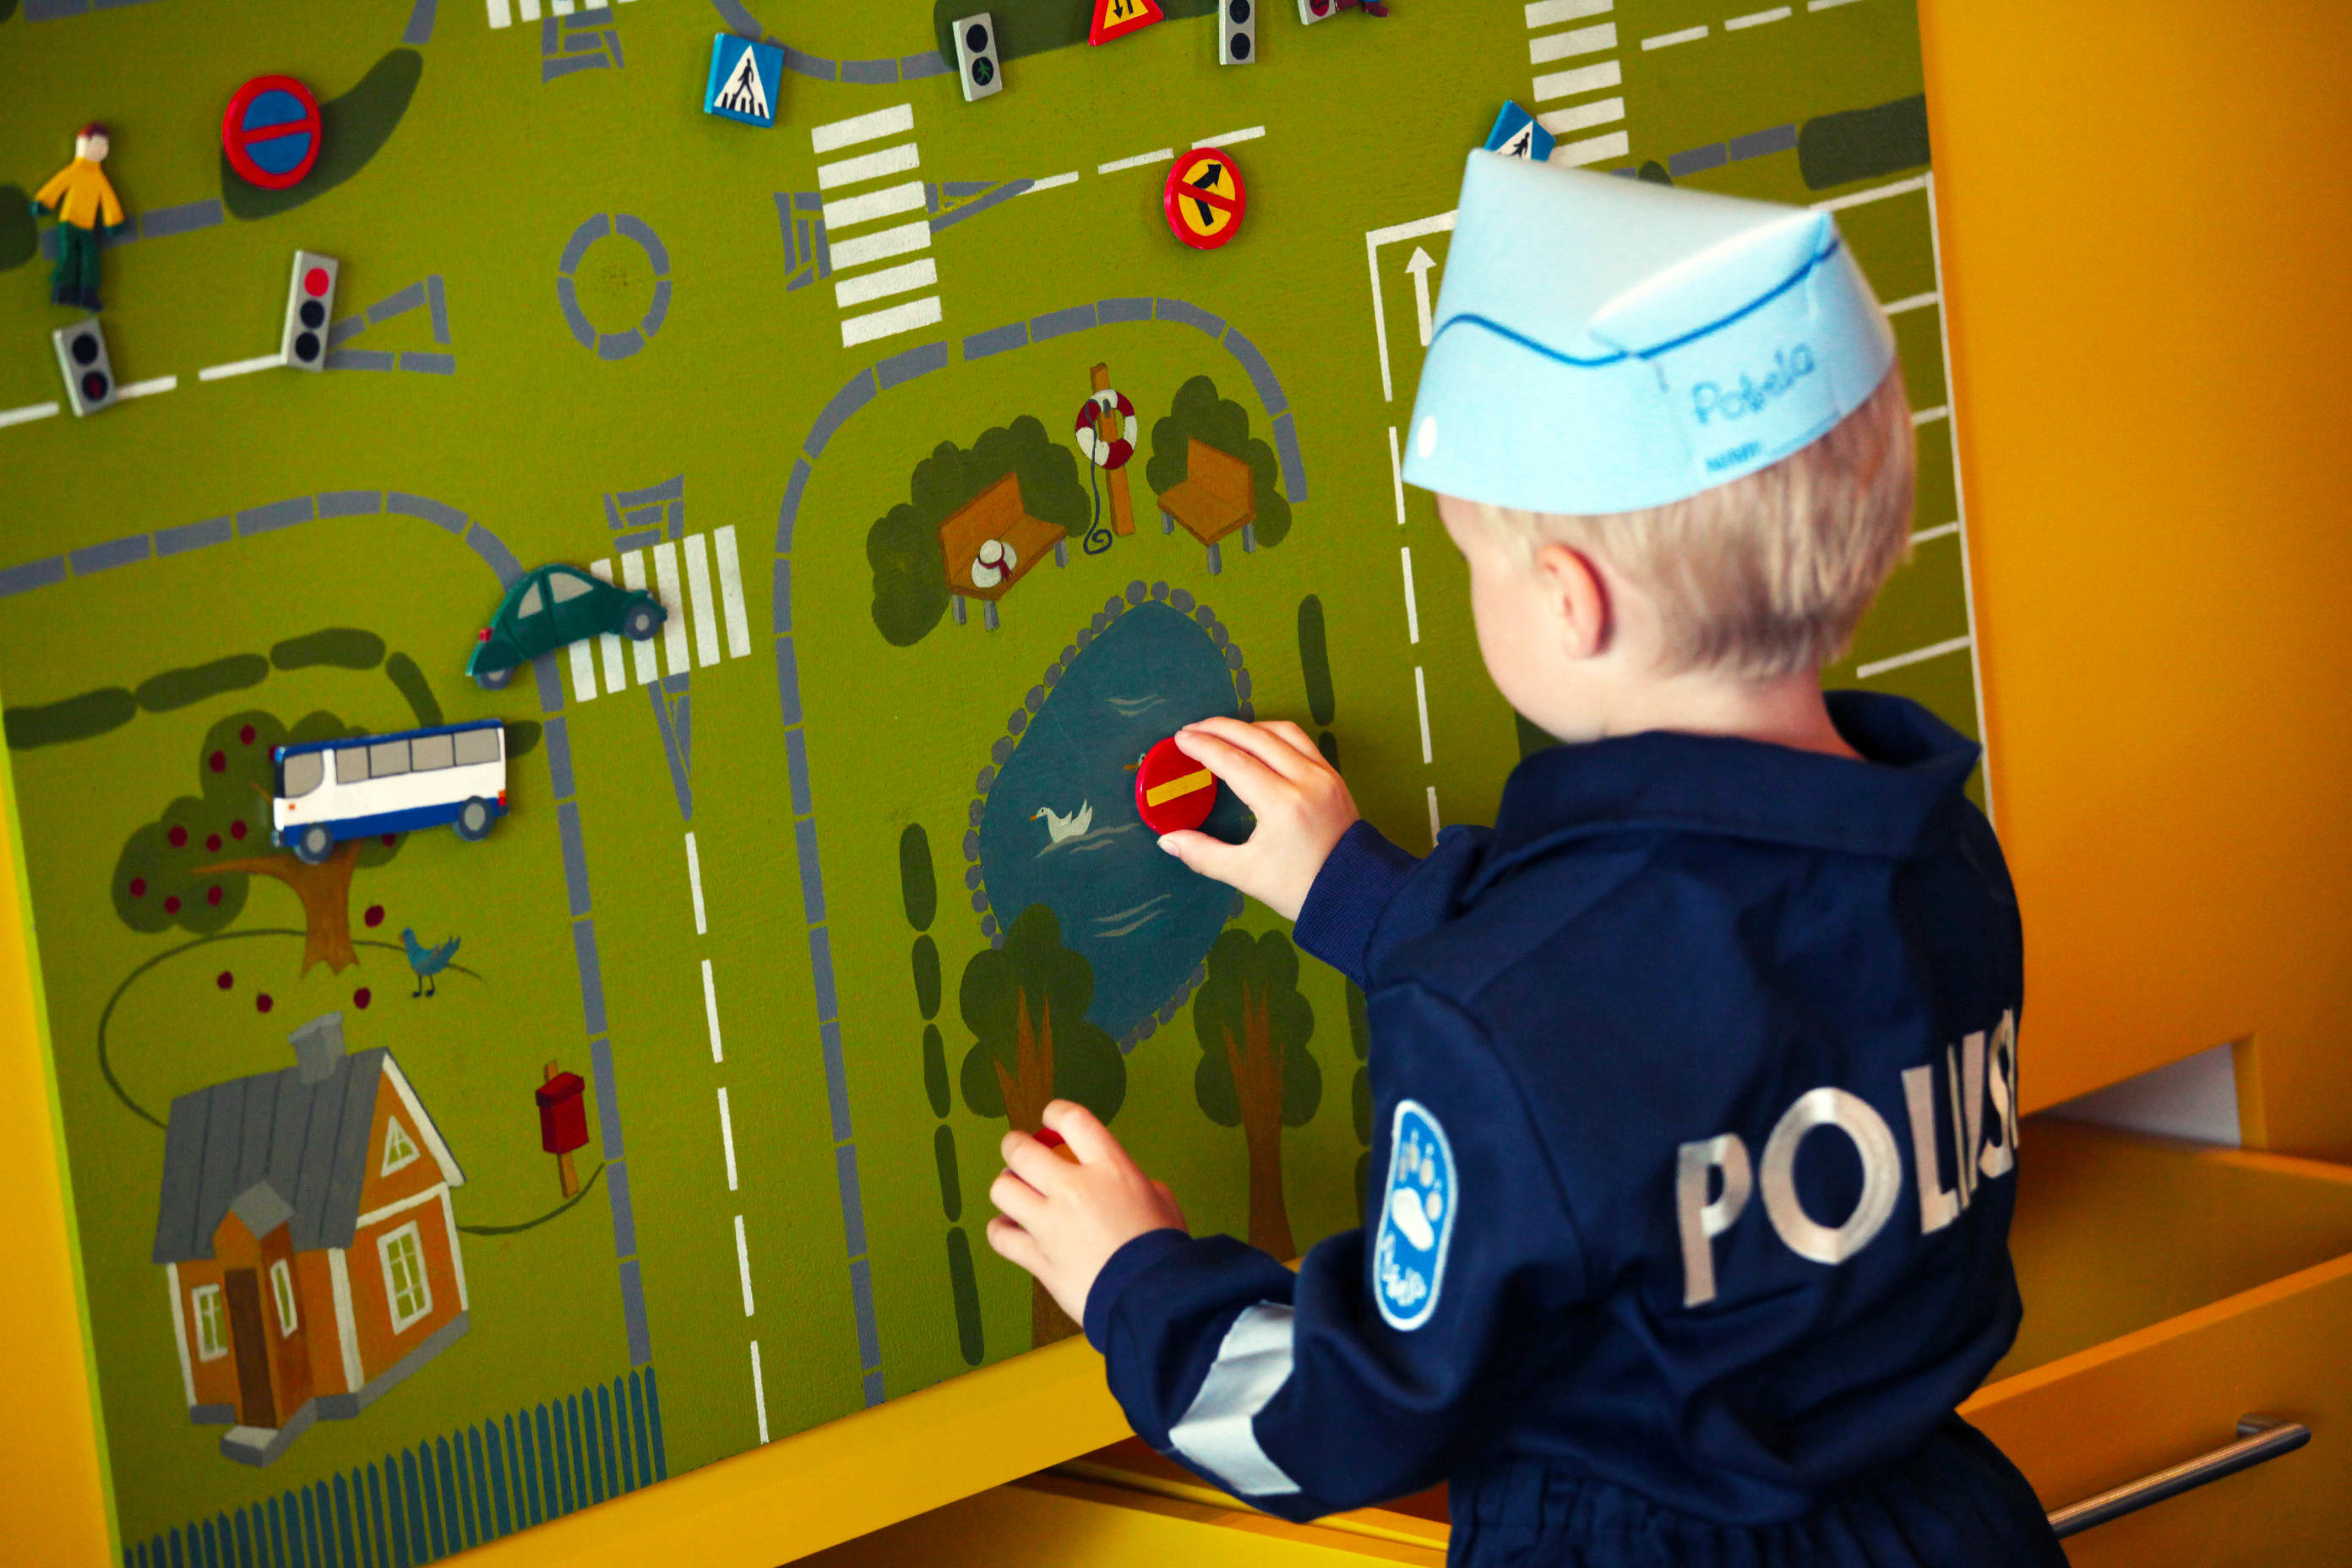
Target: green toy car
549, 607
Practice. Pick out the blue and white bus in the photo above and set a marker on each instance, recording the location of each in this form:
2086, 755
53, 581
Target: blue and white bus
332, 790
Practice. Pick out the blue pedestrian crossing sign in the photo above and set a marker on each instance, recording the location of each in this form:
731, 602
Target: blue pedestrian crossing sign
1517, 135
746, 79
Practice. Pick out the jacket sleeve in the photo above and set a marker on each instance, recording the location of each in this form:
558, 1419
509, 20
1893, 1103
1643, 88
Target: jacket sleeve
1371, 895
1314, 1394
110, 204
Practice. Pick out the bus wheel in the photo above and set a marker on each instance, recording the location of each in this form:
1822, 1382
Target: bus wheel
314, 843
493, 680
474, 819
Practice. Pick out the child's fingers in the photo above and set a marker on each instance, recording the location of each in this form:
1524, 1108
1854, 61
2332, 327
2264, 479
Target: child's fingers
1249, 777
1015, 1198
1210, 857
1297, 738
1014, 1245
1043, 1169
1174, 1208
1278, 756
1088, 1139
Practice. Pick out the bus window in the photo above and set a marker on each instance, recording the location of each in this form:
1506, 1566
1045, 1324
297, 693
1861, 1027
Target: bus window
387, 758
566, 587
303, 773
529, 604
350, 764
428, 752
477, 746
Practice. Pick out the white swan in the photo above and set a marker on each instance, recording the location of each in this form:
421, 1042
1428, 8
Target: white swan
1059, 827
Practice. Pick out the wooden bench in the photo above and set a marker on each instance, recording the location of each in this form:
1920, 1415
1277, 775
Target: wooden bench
997, 513
1217, 497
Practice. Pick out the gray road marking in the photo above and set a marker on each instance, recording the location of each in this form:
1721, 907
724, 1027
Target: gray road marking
811, 873
1756, 144
1004, 192
619, 346
360, 359
783, 596
1695, 161
853, 1206
350, 503
791, 509
788, 678
632, 1308
1055, 323
275, 515
915, 67
420, 25
854, 395
440, 307
836, 1078
996, 340
557, 738
1191, 316
162, 223
409, 299
32, 574
796, 770
493, 548
900, 368
1110, 310
349, 327
1294, 466
575, 856
432, 511
965, 190
1261, 374
625, 1215
656, 313
190, 536
591, 975
586, 235
115, 552
828, 1000
869, 71
635, 228
430, 364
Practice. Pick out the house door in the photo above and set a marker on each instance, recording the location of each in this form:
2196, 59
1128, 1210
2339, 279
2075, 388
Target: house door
242, 1287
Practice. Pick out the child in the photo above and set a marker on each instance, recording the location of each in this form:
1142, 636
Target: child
1694, 1077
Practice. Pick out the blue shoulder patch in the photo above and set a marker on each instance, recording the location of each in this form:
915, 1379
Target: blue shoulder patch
1417, 1209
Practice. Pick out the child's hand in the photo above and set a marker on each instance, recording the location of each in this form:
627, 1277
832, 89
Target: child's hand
1302, 808
1065, 1211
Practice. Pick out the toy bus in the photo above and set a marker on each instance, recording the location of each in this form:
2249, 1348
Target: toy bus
332, 790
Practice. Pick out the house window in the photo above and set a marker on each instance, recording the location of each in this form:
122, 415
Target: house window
281, 1286
404, 1285
399, 1148
212, 1322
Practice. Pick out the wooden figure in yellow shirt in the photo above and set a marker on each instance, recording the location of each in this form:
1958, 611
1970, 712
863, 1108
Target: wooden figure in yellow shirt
85, 205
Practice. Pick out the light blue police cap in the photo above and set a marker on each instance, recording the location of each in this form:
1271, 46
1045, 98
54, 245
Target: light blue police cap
1603, 343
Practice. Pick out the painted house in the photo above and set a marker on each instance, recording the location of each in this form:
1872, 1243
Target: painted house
306, 1240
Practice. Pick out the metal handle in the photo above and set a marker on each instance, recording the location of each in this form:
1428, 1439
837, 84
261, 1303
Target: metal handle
2260, 1438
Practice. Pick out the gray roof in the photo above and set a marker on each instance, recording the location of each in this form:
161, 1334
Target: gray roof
306, 1141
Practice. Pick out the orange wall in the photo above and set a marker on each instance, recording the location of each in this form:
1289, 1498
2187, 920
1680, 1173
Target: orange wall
2145, 214
2146, 211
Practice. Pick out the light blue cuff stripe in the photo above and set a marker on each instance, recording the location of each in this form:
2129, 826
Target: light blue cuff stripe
1217, 1433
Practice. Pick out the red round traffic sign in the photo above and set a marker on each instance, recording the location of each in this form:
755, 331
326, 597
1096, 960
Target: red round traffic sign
271, 131
1172, 791
1205, 199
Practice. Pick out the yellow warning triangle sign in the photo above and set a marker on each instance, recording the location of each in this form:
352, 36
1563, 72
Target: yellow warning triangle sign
1117, 19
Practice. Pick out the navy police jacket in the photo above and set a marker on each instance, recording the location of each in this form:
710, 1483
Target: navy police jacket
1695, 1120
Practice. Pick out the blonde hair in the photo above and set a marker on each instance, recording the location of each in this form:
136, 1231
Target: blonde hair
1770, 573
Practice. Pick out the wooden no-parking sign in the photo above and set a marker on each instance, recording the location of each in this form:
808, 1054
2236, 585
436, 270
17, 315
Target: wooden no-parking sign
1205, 198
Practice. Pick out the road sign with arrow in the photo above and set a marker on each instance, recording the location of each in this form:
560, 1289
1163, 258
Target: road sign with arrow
1117, 18
1205, 198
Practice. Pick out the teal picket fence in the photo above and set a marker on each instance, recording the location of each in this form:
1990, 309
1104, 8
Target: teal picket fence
419, 1505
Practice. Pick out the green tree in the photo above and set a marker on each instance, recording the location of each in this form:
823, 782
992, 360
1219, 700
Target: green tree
911, 574
1255, 1072
1026, 1004
1198, 410
184, 869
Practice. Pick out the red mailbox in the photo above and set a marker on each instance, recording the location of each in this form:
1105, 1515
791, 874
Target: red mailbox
562, 1123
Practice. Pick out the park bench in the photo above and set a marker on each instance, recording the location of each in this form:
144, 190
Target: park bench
996, 513
1217, 496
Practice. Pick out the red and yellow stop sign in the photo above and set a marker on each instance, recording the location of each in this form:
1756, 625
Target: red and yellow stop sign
1172, 791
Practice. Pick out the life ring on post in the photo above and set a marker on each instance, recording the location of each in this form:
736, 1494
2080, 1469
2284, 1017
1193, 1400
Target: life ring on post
1115, 452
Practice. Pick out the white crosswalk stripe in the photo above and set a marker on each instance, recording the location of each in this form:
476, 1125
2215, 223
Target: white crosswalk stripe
852, 289
1589, 75
504, 12
704, 592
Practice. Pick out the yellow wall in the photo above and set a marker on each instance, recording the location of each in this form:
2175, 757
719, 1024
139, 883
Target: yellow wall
2145, 216
2145, 213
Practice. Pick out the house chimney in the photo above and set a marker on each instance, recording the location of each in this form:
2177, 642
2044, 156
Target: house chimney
319, 1048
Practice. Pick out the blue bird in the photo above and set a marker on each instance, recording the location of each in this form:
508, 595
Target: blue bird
427, 961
